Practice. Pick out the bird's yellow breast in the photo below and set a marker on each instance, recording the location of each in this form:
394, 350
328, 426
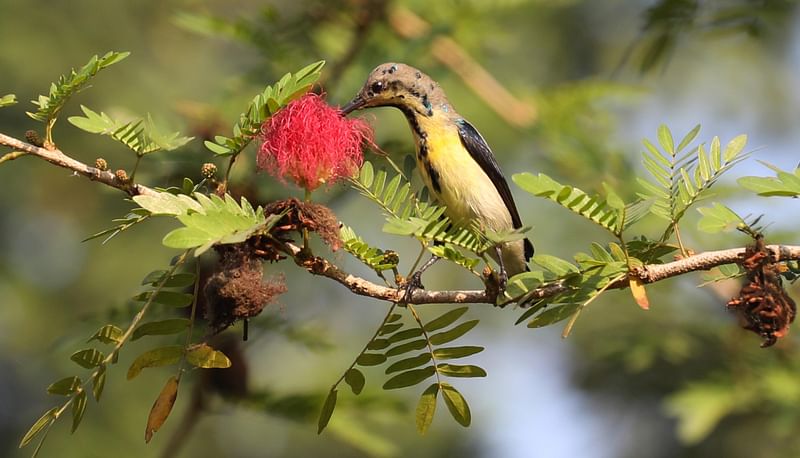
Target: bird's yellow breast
455, 178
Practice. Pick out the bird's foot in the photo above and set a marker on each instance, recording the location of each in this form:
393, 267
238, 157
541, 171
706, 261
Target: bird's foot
413, 282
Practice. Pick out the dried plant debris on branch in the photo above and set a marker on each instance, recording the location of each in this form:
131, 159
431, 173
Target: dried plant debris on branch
307, 215
763, 305
237, 290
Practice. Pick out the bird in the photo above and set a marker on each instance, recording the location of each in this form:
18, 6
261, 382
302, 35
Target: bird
454, 160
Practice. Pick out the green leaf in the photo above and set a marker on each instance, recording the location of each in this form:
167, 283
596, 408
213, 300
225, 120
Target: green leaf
108, 334
553, 315
405, 335
70, 84
735, 147
371, 359
530, 312
390, 328
160, 328
407, 347
65, 387
163, 356
178, 280
98, 382
453, 334
169, 298
446, 319
378, 344
409, 363
718, 218
456, 404
327, 411
689, 138
784, 184
219, 222
557, 266
426, 408
45, 420
88, 358
665, 139
78, 409
409, 378
355, 379
700, 407
8, 100
456, 352
203, 356
164, 203
455, 370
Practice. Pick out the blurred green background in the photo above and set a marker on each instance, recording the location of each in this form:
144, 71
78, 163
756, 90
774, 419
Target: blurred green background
591, 78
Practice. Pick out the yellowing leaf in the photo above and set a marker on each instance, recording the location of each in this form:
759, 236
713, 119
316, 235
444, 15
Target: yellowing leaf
204, 356
163, 356
161, 408
639, 293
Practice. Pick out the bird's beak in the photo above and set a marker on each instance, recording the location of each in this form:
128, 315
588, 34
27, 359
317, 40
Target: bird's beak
357, 103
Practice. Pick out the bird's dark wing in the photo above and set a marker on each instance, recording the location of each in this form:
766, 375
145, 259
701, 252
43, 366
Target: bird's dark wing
480, 151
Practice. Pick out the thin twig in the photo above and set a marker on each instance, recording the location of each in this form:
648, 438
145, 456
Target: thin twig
57, 157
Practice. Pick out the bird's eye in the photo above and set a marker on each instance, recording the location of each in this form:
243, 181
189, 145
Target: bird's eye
377, 87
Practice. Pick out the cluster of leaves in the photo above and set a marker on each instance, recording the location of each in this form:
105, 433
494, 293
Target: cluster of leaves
142, 137
394, 339
377, 259
207, 220
411, 214
683, 178
264, 105
68, 85
8, 100
164, 287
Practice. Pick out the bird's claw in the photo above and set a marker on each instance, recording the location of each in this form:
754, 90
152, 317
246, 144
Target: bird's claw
413, 282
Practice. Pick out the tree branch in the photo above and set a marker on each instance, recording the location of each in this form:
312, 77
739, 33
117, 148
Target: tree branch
316, 265
650, 273
57, 157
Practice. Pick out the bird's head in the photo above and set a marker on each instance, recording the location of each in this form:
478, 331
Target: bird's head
401, 86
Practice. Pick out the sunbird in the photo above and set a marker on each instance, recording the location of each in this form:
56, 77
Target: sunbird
455, 162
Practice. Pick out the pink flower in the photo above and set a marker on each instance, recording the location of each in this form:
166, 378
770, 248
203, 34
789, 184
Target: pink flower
311, 143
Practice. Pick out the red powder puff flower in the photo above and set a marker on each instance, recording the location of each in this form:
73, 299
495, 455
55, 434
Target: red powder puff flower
311, 143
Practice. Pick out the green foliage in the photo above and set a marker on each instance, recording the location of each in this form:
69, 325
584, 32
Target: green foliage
143, 137
264, 105
135, 216
394, 339
375, 258
203, 356
784, 184
700, 407
68, 85
682, 178
610, 212
718, 218
207, 220
8, 100
408, 215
